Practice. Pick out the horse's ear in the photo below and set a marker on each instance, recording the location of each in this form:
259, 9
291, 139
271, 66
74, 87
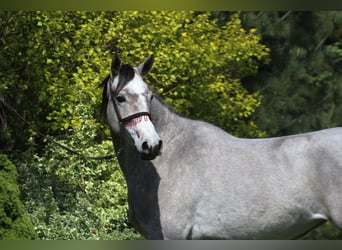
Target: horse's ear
116, 65
146, 66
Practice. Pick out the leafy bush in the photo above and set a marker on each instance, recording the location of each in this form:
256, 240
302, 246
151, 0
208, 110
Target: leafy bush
69, 197
14, 222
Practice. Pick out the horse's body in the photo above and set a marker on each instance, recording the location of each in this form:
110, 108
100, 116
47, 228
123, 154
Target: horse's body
207, 184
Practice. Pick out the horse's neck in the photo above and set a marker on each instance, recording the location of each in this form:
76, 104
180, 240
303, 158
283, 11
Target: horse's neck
167, 124
166, 121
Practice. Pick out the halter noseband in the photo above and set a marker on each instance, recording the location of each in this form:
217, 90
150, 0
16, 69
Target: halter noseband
134, 119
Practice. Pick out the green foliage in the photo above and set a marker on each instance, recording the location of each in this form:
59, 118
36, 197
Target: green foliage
14, 222
69, 197
302, 87
5, 140
50, 62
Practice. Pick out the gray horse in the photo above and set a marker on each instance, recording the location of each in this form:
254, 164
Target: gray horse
188, 179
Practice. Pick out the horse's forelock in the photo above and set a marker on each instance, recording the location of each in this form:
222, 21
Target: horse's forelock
125, 76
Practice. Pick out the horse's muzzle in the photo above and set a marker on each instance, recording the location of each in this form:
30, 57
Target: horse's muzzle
150, 152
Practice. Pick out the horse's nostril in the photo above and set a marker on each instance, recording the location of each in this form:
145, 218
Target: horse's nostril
150, 152
151, 149
145, 146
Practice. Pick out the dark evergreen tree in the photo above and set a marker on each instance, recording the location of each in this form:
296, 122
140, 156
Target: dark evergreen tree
301, 87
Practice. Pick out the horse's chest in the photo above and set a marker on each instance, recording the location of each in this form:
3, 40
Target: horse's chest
144, 212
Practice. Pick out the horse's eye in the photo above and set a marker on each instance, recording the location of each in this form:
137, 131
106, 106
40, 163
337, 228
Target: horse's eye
152, 96
121, 98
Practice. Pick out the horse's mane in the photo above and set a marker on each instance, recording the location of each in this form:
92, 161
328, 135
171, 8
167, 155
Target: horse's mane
104, 102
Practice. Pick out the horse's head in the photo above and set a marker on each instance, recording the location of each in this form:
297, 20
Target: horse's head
128, 106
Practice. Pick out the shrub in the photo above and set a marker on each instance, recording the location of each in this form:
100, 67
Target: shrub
69, 197
14, 222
